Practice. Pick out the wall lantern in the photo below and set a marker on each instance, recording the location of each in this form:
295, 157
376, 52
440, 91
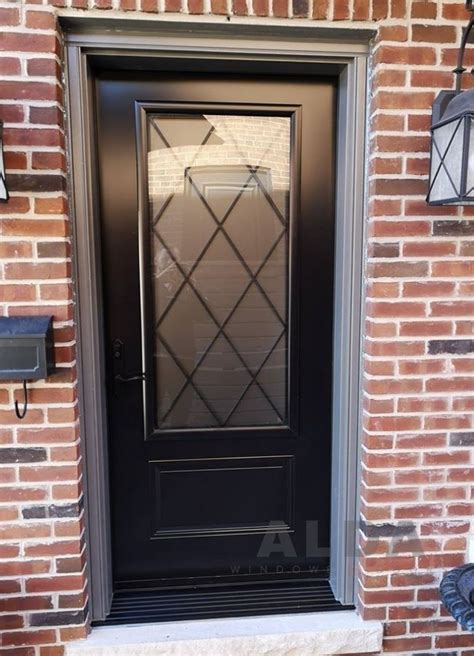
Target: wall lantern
452, 138
3, 184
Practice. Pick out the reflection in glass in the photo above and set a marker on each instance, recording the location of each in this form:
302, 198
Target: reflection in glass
219, 211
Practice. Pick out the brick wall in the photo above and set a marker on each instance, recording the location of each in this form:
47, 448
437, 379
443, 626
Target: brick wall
418, 434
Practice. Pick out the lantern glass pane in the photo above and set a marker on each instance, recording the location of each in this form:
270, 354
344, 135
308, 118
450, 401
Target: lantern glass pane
446, 161
470, 164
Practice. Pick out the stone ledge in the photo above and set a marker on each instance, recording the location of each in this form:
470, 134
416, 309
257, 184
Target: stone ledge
305, 634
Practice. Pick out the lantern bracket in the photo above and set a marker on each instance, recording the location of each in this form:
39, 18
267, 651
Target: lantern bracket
460, 69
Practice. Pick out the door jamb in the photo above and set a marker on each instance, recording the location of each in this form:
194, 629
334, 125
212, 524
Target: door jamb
323, 46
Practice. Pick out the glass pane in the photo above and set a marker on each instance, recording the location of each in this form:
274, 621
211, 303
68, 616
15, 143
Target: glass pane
470, 168
218, 191
446, 161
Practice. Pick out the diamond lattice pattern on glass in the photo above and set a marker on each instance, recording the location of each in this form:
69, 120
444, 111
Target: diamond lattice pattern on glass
219, 215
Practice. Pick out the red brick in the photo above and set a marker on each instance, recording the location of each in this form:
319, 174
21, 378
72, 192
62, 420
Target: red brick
40, 20
457, 457
379, 9
22, 494
428, 289
48, 160
411, 612
341, 10
9, 16
397, 269
414, 55
46, 435
413, 404
460, 509
387, 597
452, 308
381, 165
9, 65
73, 633
444, 493
17, 293
404, 100
16, 42
455, 12
450, 384
434, 33
33, 637
423, 9
412, 579
197, 6
59, 649
418, 511
58, 548
48, 473
320, 9
361, 10
389, 122
50, 205
392, 33
24, 567
431, 79
219, 7
429, 249
14, 161
425, 328
16, 205
421, 367
38, 271
46, 115
395, 309
418, 165
440, 561
400, 228
8, 551
406, 644
33, 602
454, 641
54, 584
44, 66
32, 136
260, 7
452, 422
459, 268
8, 513
34, 227
392, 460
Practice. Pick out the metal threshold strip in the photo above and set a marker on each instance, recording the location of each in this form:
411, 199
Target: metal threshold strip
130, 607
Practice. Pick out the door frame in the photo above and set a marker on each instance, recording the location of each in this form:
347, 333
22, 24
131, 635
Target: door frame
121, 41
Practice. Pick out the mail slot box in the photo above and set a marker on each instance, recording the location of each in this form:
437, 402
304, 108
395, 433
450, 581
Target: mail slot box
26, 348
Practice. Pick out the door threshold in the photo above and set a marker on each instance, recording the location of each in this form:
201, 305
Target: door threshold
132, 607
307, 634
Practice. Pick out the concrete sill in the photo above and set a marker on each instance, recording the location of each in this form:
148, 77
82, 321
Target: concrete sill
308, 634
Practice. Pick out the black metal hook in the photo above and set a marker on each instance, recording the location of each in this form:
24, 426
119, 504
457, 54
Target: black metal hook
460, 69
21, 414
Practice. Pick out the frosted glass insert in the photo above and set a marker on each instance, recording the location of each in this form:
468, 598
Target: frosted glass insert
446, 161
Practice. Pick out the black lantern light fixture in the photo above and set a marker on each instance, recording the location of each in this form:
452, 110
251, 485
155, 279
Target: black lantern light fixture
3, 184
452, 138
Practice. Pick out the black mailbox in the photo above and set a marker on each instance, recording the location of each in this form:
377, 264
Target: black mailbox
26, 348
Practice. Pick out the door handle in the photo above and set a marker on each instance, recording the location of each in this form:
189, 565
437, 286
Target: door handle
129, 379
117, 360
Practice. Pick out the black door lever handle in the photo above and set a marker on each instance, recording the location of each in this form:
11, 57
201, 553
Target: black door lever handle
129, 379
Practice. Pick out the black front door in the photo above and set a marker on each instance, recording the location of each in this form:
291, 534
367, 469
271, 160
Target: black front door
217, 220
